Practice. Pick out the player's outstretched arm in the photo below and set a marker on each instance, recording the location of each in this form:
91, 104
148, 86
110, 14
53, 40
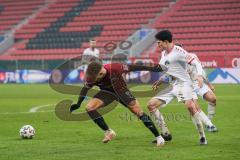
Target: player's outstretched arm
157, 84
205, 79
155, 68
162, 80
81, 97
199, 68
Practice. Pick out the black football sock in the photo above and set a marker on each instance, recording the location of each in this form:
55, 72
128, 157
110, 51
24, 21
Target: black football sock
149, 124
98, 119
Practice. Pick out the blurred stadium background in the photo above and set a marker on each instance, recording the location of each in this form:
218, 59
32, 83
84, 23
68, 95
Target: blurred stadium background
41, 34
36, 36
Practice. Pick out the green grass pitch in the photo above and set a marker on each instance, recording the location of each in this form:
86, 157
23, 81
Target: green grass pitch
60, 140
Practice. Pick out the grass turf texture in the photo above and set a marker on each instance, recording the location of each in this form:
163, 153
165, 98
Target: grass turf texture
57, 139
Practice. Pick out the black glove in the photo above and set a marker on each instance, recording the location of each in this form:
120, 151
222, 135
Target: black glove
83, 92
74, 107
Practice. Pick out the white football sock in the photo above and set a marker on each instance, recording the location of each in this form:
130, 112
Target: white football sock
203, 117
211, 110
160, 121
199, 126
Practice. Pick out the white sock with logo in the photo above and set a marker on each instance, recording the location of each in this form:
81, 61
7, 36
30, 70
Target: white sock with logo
199, 126
160, 121
203, 117
211, 110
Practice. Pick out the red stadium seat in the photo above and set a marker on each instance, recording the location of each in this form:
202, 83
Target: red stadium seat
205, 27
119, 20
14, 11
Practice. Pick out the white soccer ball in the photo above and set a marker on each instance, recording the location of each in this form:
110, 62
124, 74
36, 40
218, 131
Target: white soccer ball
27, 132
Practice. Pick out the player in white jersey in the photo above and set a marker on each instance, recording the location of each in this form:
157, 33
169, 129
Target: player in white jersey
176, 59
92, 50
206, 92
90, 54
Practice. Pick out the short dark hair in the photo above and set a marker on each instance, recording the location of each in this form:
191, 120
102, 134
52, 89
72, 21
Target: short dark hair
92, 40
164, 35
93, 69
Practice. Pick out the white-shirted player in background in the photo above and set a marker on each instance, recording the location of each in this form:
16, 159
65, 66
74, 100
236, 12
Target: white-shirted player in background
176, 60
206, 92
92, 50
90, 54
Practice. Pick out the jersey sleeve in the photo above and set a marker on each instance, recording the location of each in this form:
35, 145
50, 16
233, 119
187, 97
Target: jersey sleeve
183, 55
119, 68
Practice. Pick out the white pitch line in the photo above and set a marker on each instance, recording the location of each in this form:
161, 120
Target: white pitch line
32, 110
36, 108
12, 113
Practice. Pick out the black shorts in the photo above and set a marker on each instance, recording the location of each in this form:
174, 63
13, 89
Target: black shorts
108, 97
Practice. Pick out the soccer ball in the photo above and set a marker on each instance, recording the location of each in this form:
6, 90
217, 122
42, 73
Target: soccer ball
27, 132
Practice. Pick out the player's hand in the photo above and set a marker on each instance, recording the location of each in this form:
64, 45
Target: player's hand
74, 107
156, 85
200, 81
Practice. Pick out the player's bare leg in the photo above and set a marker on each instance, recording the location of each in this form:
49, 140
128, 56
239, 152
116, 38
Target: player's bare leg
206, 121
196, 118
92, 107
210, 97
135, 108
153, 106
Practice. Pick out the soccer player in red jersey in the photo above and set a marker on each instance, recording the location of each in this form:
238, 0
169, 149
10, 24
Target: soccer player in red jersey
112, 86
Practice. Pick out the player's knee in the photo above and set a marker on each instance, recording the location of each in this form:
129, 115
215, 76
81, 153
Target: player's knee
152, 105
191, 107
138, 112
135, 108
214, 100
94, 104
189, 104
191, 110
132, 103
210, 97
89, 108
196, 105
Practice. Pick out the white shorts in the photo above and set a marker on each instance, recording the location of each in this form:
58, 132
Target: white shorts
201, 91
181, 91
